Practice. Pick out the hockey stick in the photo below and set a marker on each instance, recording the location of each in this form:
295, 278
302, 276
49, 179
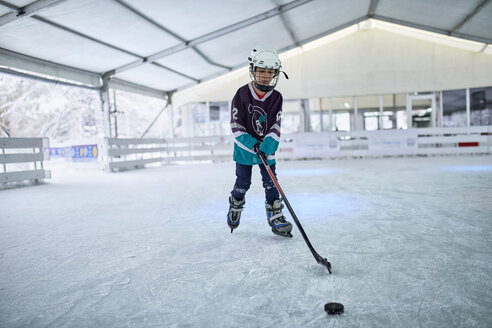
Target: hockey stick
317, 257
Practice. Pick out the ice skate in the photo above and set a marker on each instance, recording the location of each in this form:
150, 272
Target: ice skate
276, 219
234, 215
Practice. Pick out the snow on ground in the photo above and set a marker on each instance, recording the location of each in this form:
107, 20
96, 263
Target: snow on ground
408, 238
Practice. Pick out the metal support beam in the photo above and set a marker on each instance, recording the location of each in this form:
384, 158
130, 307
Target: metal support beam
157, 117
434, 110
26, 11
356, 114
300, 43
148, 19
441, 110
166, 30
409, 111
188, 122
381, 113
174, 71
208, 60
304, 115
479, 7
287, 26
106, 107
289, 30
65, 75
87, 37
136, 88
250, 21
372, 8
330, 114
341, 27
10, 6
213, 35
25, 64
30, 76
433, 29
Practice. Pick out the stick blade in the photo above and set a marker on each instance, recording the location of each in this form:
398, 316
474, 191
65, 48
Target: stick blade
324, 262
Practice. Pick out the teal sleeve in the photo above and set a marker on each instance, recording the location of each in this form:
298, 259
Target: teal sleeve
269, 145
247, 140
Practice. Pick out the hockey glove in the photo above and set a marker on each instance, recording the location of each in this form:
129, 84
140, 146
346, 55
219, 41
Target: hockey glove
259, 153
256, 147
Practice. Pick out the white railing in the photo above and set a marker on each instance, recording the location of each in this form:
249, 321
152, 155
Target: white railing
22, 159
134, 153
472, 140
124, 154
422, 141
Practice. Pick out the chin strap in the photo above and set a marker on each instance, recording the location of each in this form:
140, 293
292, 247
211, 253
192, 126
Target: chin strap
267, 88
264, 88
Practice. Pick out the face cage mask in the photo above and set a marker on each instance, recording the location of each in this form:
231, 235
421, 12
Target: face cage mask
261, 87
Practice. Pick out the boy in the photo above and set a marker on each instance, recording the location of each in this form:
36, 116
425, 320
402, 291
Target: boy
255, 123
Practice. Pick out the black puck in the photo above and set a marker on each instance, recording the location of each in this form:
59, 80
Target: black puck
334, 308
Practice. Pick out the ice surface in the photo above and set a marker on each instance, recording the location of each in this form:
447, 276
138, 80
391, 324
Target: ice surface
409, 240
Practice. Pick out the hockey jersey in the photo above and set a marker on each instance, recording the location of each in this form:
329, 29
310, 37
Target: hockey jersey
254, 119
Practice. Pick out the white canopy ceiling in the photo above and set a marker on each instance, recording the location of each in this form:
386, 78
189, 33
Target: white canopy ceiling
156, 47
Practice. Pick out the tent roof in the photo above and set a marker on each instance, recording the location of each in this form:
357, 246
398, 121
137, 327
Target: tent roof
157, 47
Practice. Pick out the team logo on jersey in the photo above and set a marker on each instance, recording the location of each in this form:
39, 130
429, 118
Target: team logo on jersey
259, 119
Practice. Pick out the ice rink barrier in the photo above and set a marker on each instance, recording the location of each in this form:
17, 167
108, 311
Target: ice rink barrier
122, 154
22, 159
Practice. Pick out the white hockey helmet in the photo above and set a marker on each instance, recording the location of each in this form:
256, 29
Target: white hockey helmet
264, 57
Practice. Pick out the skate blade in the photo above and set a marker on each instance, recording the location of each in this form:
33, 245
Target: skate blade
283, 234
